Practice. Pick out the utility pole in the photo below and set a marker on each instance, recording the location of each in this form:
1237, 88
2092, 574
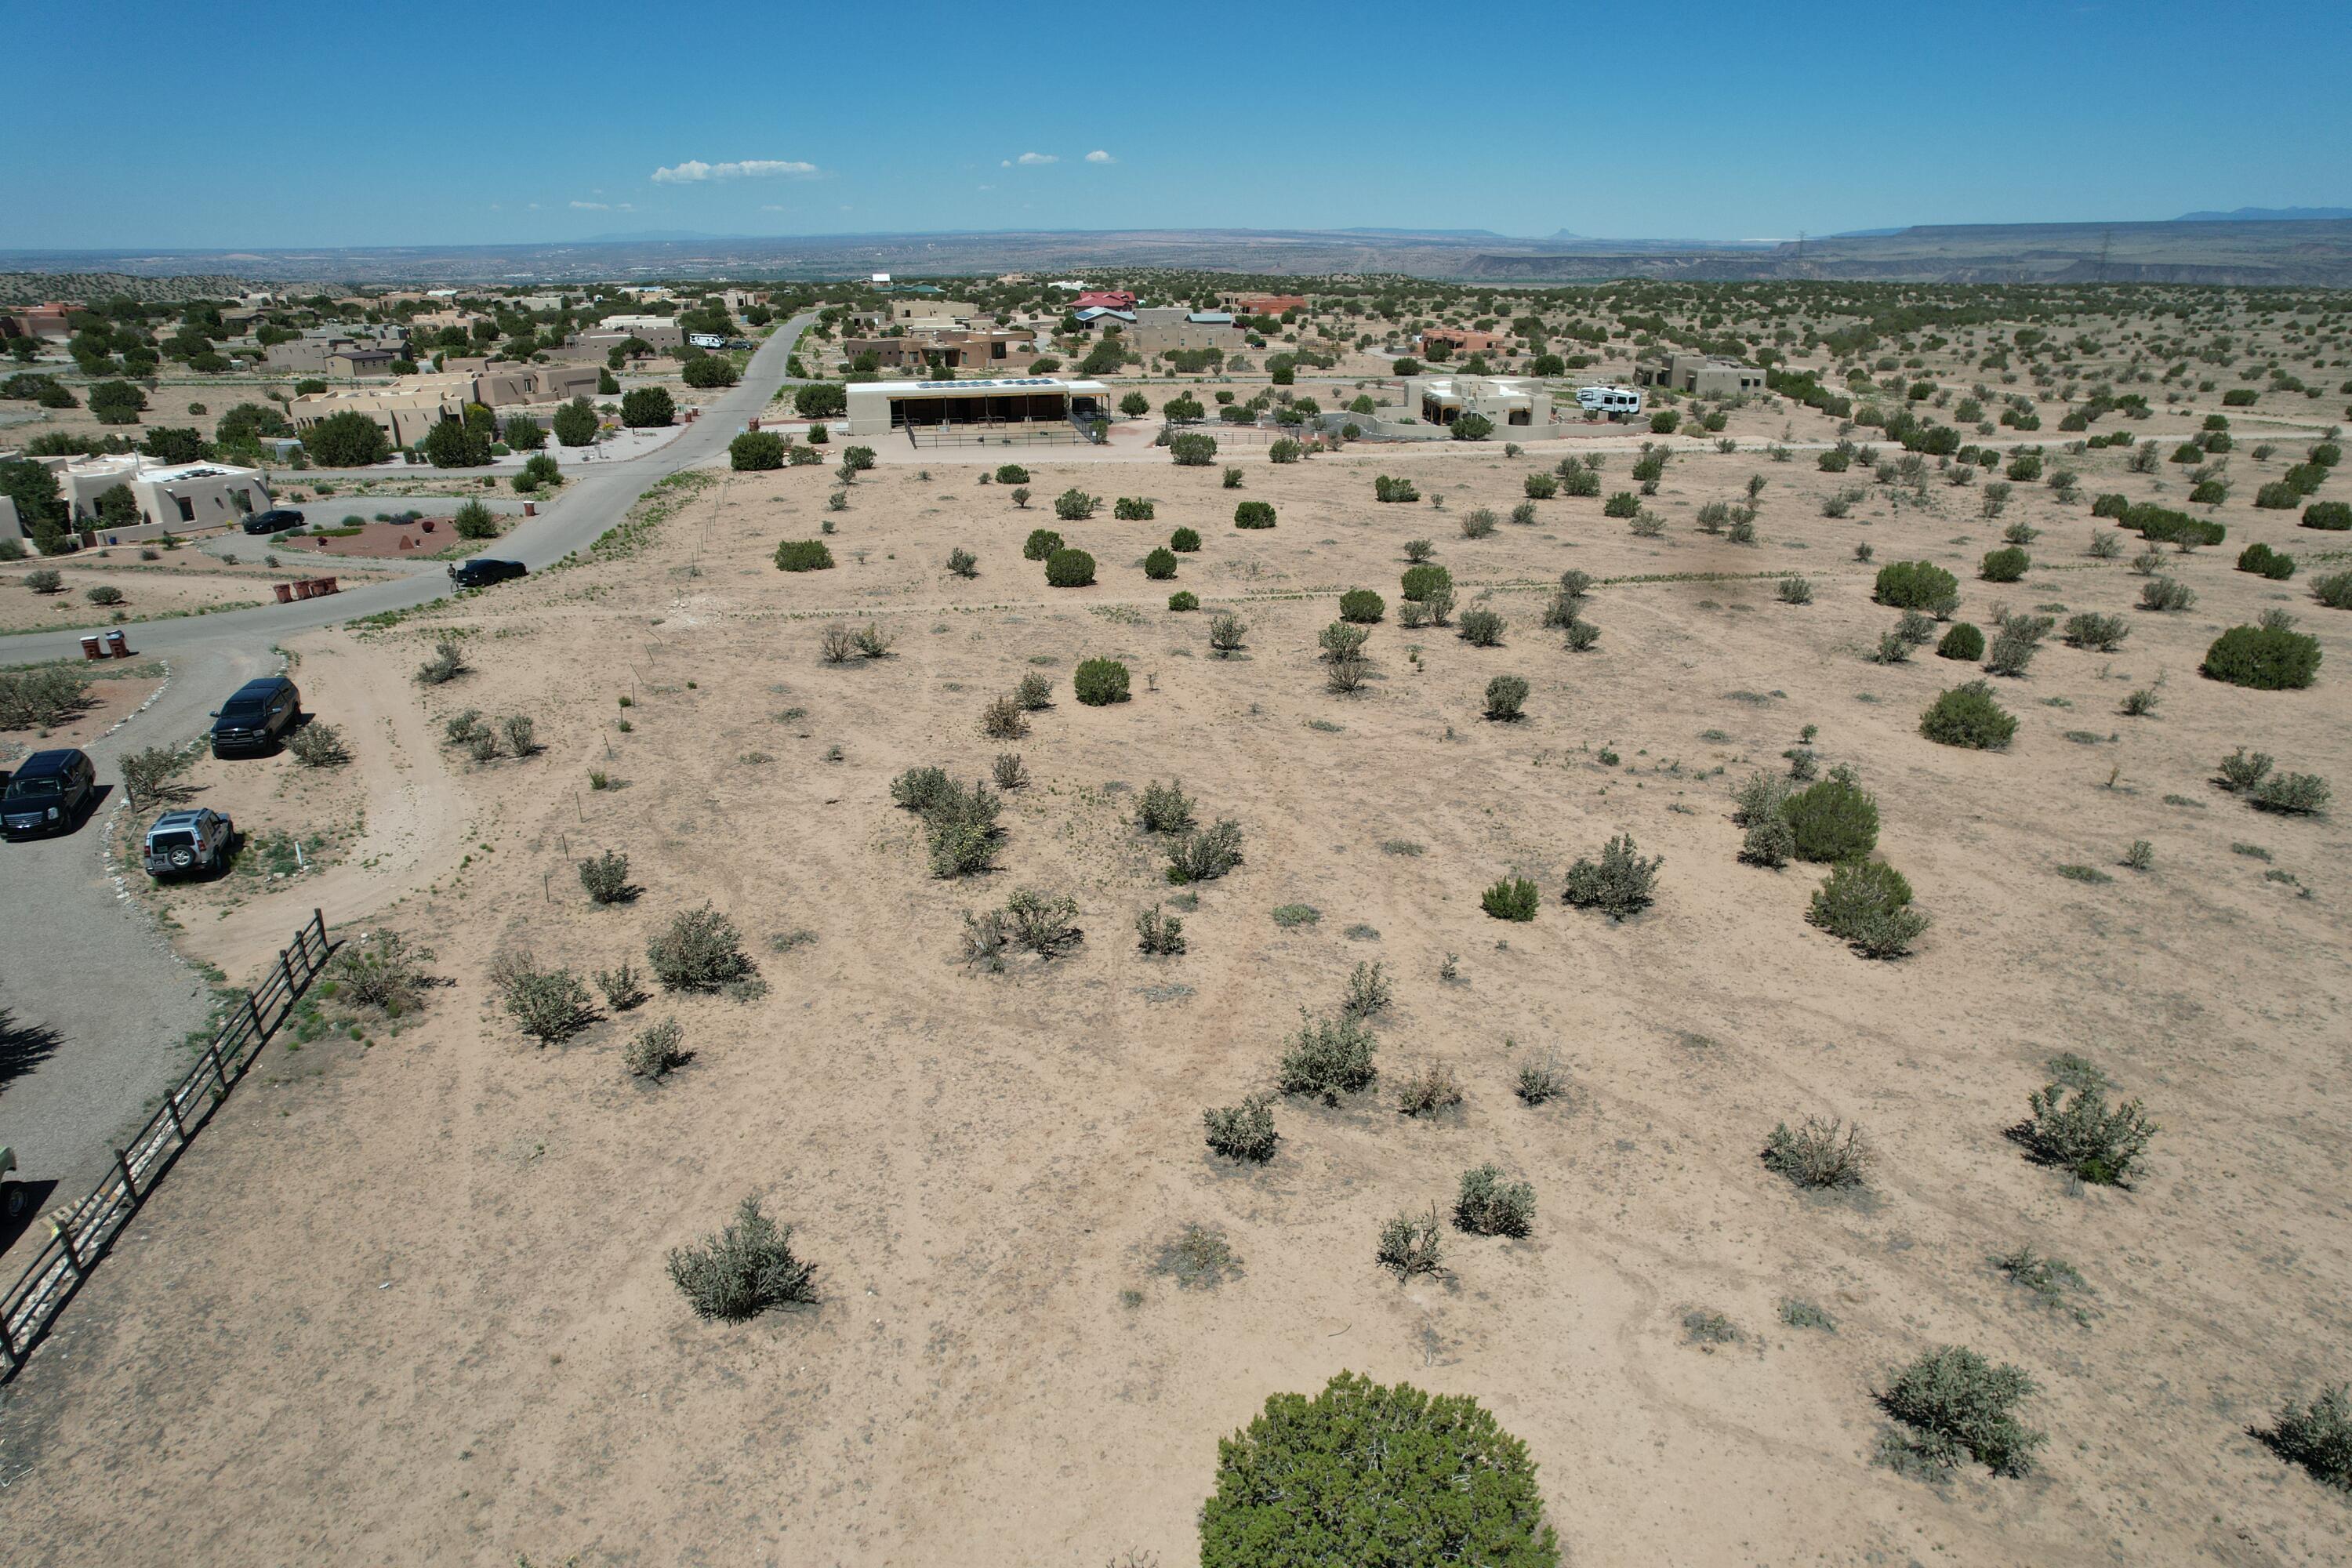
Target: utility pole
2106, 243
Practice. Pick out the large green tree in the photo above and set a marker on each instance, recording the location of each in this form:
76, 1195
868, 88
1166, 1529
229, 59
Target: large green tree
1363, 1474
649, 407
33, 490
821, 400
575, 422
346, 440
455, 444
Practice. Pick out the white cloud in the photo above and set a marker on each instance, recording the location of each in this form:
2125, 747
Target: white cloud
1035, 158
694, 171
534, 207
1099, 156
772, 208
592, 206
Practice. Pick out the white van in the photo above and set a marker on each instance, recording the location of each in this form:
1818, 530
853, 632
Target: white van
1616, 402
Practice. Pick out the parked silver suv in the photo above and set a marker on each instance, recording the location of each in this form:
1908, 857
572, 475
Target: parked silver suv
182, 843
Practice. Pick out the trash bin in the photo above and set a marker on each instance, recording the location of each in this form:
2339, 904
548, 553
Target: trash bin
90, 647
117, 644
530, 509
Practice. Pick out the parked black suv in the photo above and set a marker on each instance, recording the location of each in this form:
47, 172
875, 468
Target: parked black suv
49, 793
261, 714
277, 520
481, 572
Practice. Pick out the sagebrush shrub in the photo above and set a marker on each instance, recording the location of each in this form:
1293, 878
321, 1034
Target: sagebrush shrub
1481, 629
1506, 696
1160, 564
2335, 590
2317, 1436
318, 744
1244, 1131
1001, 720
1327, 1058
1487, 1204
1512, 898
1133, 509
1040, 544
1033, 692
2167, 593
2099, 1143
621, 988
2291, 794
1961, 1409
1409, 1245
1478, 522
1541, 1079
699, 950
1429, 1088
743, 1270
447, 663
1009, 771
1619, 884
1867, 904
1581, 636
1163, 809
548, 1005
1099, 682
1226, 631
1183, 599
606, 878
1368, 991
1159, 933
2102, 634
1074, 505
1796, 591
655, 1052
2240, 771
1361, 607
1769, 842
1253, 514
1342, 640
1184, 541
1205, 854
1969, 716
1820, 1154
803, 555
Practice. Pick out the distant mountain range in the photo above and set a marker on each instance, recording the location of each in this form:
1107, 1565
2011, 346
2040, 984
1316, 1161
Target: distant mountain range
2309, 248
2267, 215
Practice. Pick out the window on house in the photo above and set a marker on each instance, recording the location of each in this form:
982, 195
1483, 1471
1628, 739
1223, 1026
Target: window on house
187, 508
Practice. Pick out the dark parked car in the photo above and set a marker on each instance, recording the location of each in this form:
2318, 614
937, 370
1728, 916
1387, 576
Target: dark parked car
49, 793
481, 572
277, 520
261, 714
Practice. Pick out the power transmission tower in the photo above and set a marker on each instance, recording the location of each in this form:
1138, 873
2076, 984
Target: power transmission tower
2106, 243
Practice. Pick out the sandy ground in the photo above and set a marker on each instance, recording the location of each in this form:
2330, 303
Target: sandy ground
412, 1287
182, 582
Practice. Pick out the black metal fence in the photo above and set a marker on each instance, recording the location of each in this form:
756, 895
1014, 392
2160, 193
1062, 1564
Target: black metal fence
81, 1233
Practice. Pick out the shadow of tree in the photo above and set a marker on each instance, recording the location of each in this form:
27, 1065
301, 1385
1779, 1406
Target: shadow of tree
24, 1046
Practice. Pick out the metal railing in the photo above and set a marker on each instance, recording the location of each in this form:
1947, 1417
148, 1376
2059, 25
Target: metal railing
919, 436
81, 1233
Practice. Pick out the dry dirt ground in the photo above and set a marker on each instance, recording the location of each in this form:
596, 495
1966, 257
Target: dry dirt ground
406, 1301
184, 582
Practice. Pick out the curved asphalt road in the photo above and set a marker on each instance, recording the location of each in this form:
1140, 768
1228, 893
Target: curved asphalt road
101, 1002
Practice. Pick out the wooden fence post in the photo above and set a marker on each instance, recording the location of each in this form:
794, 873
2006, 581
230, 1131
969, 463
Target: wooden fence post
172, 1105
252, 1011
65, 1239
130, 1183
220, 1073
8, 1344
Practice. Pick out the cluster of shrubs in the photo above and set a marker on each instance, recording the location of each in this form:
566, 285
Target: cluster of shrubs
2287, 793
961, 822
42, 696
2260, 559
484, 741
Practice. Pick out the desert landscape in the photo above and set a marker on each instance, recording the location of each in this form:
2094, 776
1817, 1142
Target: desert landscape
416, 1288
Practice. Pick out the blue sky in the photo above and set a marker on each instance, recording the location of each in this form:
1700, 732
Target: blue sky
265, 124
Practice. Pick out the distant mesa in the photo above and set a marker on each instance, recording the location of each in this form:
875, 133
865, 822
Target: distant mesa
2267, 215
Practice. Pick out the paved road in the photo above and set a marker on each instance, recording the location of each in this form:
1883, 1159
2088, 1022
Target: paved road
100, 1003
